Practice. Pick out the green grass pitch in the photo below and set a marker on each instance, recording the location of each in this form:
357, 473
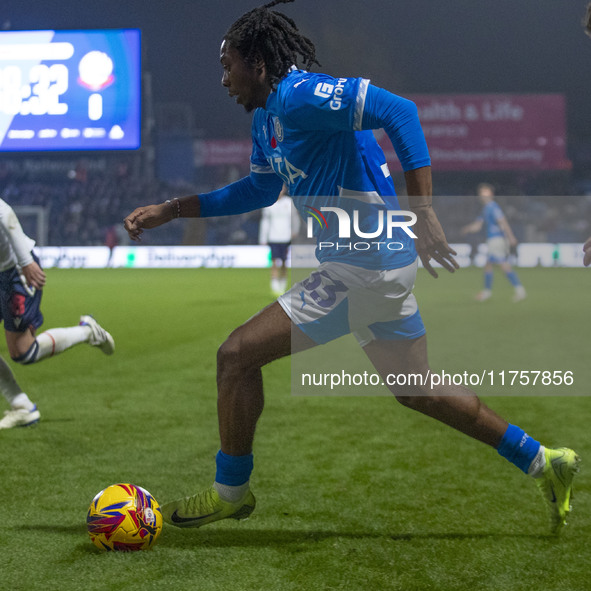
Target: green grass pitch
354, 493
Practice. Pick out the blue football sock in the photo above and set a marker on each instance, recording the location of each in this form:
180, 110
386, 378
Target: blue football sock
233, 470
488, 280
512, 277
518, 447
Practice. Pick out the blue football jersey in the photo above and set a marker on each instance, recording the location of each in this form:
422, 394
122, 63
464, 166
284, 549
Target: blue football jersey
491, 214
312, 135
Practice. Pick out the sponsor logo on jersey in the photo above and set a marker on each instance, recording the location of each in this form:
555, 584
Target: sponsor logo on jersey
332, 91
323, 89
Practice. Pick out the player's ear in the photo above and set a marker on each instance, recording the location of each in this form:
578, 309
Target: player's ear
259, 65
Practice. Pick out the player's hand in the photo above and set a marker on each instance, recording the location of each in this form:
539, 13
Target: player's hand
150, 216
513, 249
431, 243
34, 275
587, 251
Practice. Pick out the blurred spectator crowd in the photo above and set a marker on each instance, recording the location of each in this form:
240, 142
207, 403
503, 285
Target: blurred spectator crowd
85, 204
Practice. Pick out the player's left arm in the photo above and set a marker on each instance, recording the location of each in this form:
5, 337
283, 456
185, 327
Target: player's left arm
362, 106
506, 228
31, 273
399, 118
34, 275
431, 241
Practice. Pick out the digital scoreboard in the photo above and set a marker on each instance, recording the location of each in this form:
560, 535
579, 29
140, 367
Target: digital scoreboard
70, 90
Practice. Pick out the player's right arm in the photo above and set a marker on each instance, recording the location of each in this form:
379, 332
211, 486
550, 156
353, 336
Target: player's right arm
249, 193
255, 191
473, 227
152, 216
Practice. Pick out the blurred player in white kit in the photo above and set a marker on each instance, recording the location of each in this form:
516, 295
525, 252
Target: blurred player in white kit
280, 223
21, 288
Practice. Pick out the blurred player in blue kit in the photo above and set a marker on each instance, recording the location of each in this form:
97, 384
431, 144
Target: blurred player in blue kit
313, 132
499, 241
21, 288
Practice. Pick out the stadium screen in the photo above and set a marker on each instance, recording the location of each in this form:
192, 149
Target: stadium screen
70, 90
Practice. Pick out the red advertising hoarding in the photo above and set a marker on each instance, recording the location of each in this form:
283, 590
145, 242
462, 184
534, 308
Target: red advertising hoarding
219, 152
464, 132
491, 131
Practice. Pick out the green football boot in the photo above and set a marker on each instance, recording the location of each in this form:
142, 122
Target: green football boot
206, 507
556, 483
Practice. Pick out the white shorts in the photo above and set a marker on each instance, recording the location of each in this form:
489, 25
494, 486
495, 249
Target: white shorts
337, 299
498, 249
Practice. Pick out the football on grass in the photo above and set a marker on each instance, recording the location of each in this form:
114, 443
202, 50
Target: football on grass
124, 517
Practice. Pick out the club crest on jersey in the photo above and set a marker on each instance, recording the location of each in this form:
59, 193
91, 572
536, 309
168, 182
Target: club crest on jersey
278, 130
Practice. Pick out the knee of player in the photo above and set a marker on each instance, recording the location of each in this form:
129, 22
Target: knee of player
25, 356
231, 353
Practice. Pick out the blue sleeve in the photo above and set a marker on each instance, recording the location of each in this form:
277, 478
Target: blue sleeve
399, 118
497, 212
247, 194
323, 103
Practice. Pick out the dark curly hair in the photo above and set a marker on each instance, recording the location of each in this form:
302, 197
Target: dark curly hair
274, 37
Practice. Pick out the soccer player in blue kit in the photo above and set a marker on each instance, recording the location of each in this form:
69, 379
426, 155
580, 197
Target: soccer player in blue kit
313, 132
499, 240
